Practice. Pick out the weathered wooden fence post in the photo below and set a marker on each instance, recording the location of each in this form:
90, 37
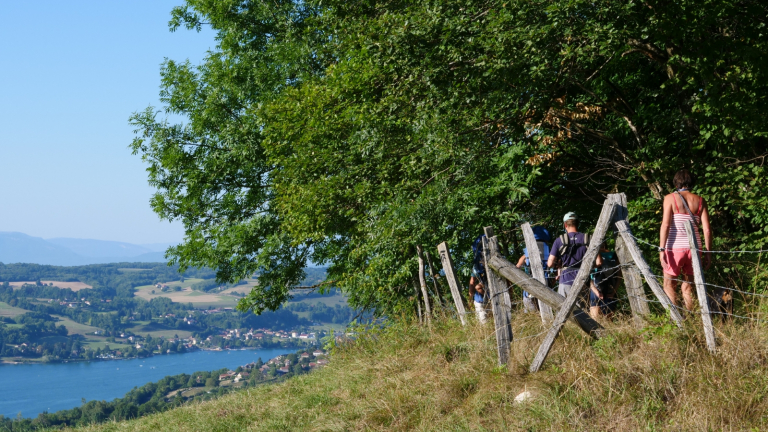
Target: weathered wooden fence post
537, 270
453, 281
423, 283
701, 289
632, 280
501, 308
609, 207
637, 256
509, 271
418, 301
434, 279
493, 249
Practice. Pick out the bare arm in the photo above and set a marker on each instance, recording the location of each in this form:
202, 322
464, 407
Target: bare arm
521, 261
475, 286
551, 261
705, 226
666, 220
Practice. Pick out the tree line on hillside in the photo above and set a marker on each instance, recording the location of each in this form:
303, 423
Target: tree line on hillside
313, 276
112, 280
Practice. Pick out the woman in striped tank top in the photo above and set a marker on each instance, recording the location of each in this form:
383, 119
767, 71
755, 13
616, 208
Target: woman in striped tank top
675, 252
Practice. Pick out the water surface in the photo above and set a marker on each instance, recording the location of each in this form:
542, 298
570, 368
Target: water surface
30, 389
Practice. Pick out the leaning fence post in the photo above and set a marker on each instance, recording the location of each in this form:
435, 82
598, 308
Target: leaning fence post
434, 279
493, 249
537, 271
637, 256
510, 272
423, 283
453, 282
632, 280
501, 309
581, 278
701, 289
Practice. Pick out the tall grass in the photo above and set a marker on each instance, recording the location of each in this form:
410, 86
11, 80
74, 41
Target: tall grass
408, 377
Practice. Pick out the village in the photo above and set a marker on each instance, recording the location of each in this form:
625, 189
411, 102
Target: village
278, 366
143, 346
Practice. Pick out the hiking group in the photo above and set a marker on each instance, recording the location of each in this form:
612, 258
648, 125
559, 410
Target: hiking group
562, 261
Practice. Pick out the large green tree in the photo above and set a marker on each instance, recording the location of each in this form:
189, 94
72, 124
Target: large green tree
347, 133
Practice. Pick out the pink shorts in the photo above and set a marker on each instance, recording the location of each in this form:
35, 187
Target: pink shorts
678, 259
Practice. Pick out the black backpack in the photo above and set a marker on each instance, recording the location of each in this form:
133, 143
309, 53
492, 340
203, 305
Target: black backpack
566, 250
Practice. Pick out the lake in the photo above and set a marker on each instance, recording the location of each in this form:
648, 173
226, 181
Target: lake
30, 389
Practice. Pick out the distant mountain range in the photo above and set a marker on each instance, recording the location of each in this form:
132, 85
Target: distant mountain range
21, 248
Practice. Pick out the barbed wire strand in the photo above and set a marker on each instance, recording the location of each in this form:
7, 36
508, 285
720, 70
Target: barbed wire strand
700, 250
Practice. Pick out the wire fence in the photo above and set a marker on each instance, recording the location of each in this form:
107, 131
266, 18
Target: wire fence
659, 248
610, 302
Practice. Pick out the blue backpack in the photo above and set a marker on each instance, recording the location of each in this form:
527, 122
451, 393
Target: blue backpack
478, 263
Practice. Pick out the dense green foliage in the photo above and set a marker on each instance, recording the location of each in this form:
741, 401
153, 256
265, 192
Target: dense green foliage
116, 279
348, 133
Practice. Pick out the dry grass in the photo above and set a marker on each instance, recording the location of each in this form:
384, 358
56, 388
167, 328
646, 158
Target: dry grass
406, 377
187, 295
74, 286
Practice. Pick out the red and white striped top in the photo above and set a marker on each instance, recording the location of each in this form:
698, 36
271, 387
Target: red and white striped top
677, 238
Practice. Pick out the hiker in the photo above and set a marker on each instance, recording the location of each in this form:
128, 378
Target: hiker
530, 303
477, 292
680, 207
568, 250
603, 283
479, 281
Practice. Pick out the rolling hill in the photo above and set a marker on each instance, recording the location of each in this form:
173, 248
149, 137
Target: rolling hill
17, 247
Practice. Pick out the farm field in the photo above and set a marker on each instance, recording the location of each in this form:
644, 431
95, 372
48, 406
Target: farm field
153, 329
96, 344
7, 310
242, 289
73, 327
187, 295
74, 286
330, 301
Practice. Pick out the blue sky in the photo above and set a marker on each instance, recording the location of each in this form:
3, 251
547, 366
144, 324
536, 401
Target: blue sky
72, 73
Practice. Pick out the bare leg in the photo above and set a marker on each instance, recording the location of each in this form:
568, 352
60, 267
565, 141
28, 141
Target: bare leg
670, 287
594, 312
687, 289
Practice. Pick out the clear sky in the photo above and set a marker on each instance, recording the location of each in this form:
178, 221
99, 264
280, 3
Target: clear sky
71, 74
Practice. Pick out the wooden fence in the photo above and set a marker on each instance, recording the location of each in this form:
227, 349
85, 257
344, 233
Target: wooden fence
556, 309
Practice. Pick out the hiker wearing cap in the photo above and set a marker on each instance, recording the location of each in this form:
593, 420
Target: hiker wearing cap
680, 208
542, 237
569, 250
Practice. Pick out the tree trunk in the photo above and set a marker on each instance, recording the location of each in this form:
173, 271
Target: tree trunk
434, 279
418, 302
423, 283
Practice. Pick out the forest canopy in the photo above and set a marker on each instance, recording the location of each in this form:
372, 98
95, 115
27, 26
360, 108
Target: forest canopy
347, 133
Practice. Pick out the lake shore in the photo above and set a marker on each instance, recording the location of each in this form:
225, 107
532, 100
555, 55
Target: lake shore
52, 387
39, 361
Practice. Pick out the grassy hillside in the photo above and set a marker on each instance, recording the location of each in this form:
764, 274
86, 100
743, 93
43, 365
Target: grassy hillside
407, 377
